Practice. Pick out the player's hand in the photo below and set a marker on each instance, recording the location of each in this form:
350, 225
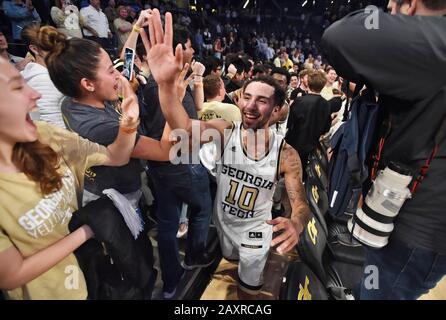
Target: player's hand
289, 236
164, 64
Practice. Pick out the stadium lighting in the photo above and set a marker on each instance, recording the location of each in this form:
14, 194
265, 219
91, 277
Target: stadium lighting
303, 4
246, 4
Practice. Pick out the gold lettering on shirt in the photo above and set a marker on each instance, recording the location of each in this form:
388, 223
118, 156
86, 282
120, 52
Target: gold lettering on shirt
51, 211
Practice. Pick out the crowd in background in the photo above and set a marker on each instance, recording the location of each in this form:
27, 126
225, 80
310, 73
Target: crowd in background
113, 133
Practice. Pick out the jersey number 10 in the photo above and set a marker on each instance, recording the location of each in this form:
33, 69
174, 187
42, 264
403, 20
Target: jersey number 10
247, 198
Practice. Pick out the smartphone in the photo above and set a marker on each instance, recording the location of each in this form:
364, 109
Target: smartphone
129, 60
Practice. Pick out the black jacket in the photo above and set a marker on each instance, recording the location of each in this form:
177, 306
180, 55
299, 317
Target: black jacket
404, 59
115, 265
153, 121
309, 119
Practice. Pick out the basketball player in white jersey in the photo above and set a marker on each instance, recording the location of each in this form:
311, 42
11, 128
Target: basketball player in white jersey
246, 174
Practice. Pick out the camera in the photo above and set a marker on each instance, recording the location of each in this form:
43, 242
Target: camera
374, 222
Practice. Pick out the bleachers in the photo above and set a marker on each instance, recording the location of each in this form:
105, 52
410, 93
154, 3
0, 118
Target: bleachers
330, 257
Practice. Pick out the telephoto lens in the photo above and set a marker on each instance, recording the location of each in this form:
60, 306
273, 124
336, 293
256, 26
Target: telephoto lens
373, 223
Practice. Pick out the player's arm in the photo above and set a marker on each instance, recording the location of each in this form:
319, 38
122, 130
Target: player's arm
169, 72
170, 96
291, 169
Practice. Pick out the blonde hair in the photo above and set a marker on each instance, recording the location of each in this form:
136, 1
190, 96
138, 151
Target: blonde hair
122, 7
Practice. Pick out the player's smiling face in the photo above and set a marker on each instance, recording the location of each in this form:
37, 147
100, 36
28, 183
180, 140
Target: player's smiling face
257, 105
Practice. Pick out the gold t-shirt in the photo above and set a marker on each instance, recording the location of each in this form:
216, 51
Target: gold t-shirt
327, 93
31, 222
218, 110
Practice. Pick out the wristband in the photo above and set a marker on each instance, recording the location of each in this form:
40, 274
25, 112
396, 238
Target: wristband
128, 130
198, 78
136, 29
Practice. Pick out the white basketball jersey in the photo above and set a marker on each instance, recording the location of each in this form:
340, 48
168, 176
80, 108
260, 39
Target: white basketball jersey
245, 188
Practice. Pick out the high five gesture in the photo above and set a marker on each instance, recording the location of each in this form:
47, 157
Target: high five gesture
164, 64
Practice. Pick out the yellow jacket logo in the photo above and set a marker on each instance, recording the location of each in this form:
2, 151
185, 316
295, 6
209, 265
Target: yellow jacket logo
312, 230
90, 175
318, 170
304, 293
315, 193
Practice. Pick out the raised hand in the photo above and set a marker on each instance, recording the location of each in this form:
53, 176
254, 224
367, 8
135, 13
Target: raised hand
129, 105
232, 69
183, 82
144, 18
198, 68
165, 66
